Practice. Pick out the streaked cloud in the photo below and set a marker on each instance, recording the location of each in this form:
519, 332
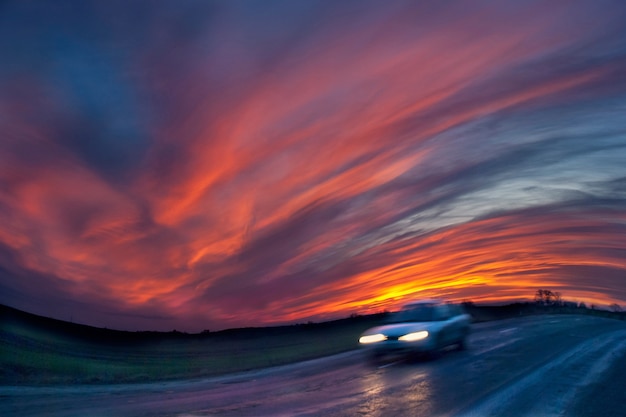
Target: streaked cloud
218, 164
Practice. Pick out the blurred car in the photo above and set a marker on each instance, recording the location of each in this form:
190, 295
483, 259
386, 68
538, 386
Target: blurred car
422, 327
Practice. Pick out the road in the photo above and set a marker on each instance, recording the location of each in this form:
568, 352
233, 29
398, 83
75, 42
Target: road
532, 366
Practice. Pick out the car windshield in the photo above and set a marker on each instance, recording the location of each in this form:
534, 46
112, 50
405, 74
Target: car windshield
421, 312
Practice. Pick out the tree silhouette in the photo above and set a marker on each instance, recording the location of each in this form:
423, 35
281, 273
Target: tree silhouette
547, 297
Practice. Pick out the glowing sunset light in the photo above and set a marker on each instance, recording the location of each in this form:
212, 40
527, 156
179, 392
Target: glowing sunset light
224, 164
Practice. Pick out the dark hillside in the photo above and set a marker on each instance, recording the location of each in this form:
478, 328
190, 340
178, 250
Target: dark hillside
16, 318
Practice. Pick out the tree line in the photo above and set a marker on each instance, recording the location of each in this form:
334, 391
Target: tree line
553, 298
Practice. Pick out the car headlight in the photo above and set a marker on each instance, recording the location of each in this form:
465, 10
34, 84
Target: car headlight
412, 337
372, 338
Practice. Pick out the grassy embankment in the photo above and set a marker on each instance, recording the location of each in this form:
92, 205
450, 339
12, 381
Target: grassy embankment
36, 350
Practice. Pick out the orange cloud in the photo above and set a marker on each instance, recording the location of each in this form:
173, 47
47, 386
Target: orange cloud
233, 173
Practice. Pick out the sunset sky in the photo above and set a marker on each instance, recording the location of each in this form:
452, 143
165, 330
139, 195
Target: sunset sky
200, 165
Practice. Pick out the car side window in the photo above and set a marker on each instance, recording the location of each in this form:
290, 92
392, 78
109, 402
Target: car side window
455, 310
443, 312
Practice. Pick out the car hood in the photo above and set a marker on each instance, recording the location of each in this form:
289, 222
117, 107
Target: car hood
400, 329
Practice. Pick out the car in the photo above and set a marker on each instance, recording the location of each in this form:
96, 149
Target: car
421, 327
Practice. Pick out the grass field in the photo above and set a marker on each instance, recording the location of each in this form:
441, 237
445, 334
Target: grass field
37, 351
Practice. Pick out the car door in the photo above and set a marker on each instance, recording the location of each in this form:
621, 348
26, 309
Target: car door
457, 323
446, 334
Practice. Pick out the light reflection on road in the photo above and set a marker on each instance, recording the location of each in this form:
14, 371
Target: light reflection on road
407, 386
374, 398
419, 397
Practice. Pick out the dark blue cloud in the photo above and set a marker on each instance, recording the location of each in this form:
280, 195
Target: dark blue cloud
245, 162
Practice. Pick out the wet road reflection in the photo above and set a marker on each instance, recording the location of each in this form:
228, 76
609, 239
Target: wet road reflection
395, 386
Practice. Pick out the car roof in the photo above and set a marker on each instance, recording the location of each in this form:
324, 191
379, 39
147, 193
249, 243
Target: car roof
423, 302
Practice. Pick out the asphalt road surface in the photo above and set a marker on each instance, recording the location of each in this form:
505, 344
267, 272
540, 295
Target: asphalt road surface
533, 366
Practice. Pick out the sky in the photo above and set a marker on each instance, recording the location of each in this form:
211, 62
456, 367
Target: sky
198, 165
